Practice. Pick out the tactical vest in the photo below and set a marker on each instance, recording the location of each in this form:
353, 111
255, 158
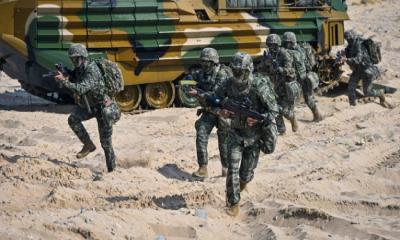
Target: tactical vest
96, 95
208, 82
265, 133
248, 97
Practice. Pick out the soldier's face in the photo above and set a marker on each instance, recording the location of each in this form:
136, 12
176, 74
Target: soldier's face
240, 77
273, 47
288, 45
77, 61
207, 66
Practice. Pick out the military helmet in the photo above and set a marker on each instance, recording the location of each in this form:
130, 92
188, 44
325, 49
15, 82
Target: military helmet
242, 61
289, 37
350, 35
274, 39
78, 50
209, 54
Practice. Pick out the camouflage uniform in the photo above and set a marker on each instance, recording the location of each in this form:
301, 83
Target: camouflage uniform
278, 65
303, 66
243, 140
87, 82
308, 95
209, 79
360, 63
303, 73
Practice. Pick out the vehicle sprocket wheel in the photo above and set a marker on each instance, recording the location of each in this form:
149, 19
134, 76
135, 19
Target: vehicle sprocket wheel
129, 99
159, 95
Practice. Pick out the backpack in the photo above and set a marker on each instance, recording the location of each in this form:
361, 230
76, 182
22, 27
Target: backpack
113, 78
374, 50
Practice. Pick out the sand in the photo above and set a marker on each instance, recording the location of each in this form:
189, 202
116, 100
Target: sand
337, 179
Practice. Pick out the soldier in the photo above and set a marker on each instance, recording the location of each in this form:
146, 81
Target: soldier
302, 67
278, 65
87, 84
360, 62
244, 133
210, 78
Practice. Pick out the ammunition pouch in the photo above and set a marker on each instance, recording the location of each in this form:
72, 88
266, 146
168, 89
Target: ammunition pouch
110, 112
269, 136
293, 90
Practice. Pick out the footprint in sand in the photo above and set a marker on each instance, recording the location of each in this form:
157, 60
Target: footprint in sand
27, 142
12, 124
49, 130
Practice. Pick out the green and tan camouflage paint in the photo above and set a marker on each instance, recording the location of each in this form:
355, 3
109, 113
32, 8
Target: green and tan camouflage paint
156, 40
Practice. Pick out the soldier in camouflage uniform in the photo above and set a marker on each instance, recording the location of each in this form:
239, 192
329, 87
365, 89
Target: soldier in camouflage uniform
244, 132
360, 63
278, 65
302, 67
87, 85
210, 78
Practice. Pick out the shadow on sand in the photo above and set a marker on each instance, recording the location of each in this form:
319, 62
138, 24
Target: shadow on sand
172, 171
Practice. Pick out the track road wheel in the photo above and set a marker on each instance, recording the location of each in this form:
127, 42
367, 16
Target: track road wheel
159, 95
185, 99
129, 99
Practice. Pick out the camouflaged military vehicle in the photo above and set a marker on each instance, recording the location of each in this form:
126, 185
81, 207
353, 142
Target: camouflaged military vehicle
155, 41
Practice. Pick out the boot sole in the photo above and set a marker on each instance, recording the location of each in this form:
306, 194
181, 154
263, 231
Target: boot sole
199, 177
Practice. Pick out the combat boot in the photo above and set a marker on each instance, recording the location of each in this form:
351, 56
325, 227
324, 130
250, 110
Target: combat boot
352, 102
295, 126
382, 100
224, 172
110, 164
87, 148
243, 185
317, 115
202, 172
233, 210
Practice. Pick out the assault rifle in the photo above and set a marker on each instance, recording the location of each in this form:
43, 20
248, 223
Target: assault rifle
59, 68
237, 108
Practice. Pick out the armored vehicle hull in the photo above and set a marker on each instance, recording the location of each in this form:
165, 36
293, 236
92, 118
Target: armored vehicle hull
155, 41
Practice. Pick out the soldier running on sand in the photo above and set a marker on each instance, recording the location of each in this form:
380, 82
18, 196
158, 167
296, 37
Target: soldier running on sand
211, 77
87, 84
